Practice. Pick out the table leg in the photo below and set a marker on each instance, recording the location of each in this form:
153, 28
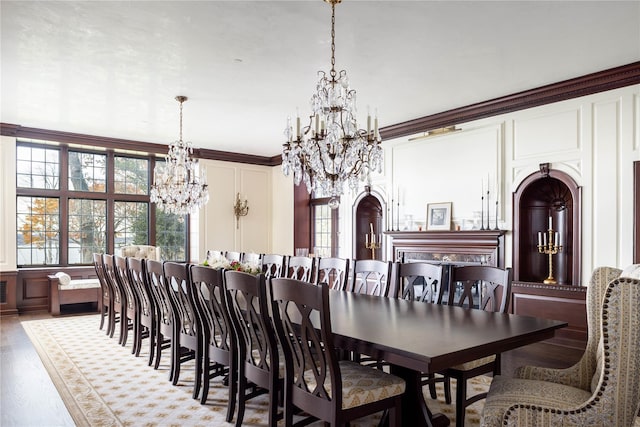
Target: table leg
415, 411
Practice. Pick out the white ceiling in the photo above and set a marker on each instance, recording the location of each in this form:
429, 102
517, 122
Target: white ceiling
113, 69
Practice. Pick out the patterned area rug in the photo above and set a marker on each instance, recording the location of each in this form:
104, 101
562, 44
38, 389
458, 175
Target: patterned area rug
103, 384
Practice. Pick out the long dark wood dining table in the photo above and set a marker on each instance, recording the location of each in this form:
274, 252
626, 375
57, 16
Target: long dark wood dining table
417, 337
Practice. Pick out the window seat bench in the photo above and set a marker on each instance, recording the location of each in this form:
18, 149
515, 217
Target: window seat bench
63, 290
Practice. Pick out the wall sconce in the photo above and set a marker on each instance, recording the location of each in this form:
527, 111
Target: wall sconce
241, 208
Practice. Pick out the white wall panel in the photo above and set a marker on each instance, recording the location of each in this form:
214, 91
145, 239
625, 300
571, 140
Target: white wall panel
282, 239
254, 234
216, 218
549, 133
8, 204
450, 168
606, 138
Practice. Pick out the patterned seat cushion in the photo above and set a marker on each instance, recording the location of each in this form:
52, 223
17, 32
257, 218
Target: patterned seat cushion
362, 384
505, 391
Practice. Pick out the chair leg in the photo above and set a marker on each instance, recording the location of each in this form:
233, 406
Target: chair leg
432, 386
447, 389
242, 389
233, 390
461, 397
206, 375
198, 378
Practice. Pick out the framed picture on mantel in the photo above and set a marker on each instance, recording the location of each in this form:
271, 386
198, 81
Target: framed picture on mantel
439, 216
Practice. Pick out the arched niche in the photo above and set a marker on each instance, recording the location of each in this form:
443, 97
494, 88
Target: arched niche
368, 212
548, 193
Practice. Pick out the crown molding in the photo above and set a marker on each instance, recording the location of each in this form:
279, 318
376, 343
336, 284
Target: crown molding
614, 78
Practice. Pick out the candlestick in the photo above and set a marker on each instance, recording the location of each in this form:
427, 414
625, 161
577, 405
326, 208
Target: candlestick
371, 243
496, 227
488, 225
551, 248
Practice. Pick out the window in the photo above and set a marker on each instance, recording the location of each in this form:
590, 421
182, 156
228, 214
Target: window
37, 167
324, 222
87, 229
38, 230
73, 202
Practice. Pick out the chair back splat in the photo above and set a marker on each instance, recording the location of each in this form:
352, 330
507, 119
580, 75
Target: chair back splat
301, 268
131, 314
187, 344
333, 271
117, 294
164, 327
273, 265
372, 277
258, 360
219, 340
420, 281
147, 308
106, 297
316, 382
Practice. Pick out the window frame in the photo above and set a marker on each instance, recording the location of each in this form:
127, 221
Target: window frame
334, 223
64, 194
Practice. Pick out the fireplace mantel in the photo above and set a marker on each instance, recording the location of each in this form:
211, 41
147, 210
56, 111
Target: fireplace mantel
451, 247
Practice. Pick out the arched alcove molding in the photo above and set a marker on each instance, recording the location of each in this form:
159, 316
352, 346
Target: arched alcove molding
530, 216
360, 224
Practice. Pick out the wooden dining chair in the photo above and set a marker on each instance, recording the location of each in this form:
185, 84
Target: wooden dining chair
495, 293
165, 327
106, 308
259, 368
147, 309
334, 272
422, 281
219, 341
251, 258
301, 268
273, 265
316, 381
118, 297
130, 314
372, 277
187, 343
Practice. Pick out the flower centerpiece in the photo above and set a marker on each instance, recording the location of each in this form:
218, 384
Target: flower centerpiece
222, 262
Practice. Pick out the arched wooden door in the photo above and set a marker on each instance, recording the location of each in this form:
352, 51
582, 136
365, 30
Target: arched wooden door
368, 216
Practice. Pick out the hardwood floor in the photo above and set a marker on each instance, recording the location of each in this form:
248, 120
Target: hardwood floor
28, 398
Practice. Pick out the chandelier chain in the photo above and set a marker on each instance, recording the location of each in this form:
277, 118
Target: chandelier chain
333, 41
331, 151
177, 189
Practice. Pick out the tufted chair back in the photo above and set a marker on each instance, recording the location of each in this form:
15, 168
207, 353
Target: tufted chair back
581, 374
141, 251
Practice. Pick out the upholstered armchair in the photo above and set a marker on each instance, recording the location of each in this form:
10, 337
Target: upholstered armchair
602, 389
141, 251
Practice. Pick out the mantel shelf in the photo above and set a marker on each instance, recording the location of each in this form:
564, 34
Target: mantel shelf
464, 247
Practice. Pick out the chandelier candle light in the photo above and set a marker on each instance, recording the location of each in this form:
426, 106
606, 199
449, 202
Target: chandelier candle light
549, 246
176, 188
331, 151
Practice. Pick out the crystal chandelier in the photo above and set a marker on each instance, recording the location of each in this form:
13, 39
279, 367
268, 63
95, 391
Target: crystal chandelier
331, 151
176, 188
